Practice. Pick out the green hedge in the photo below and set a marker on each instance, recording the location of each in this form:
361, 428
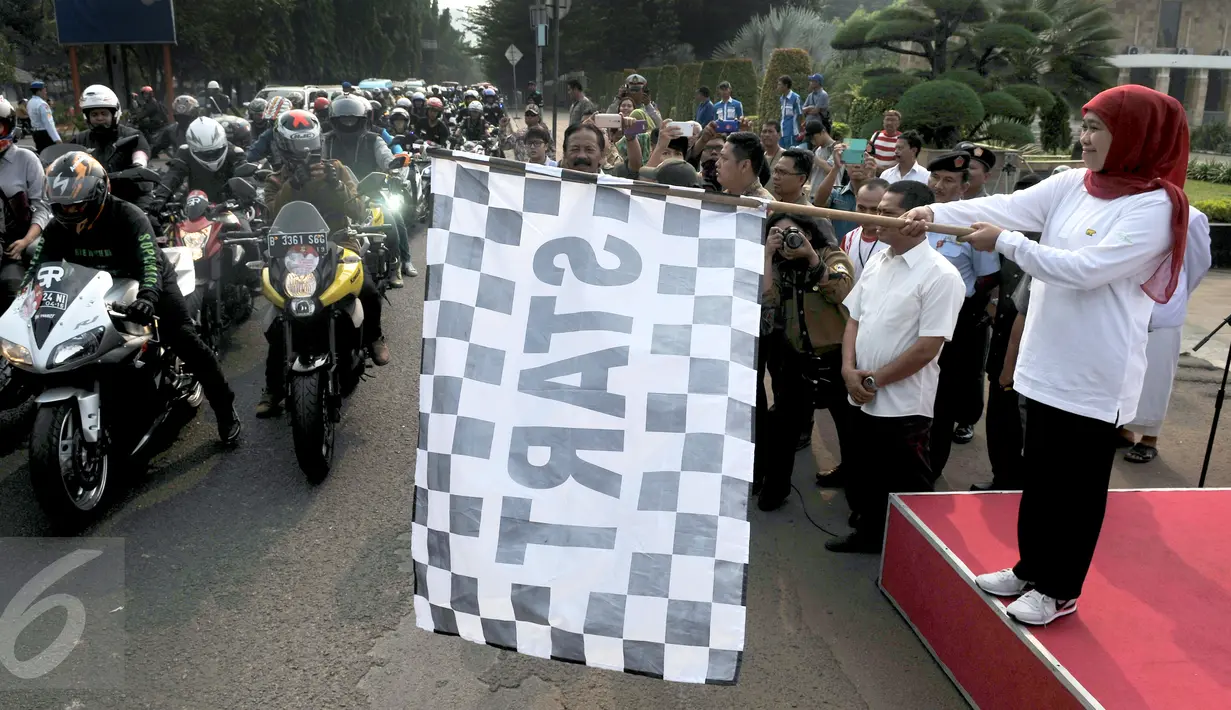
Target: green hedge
668, 92
1218, 211
795, 63
651, 75
713, 71
686, 94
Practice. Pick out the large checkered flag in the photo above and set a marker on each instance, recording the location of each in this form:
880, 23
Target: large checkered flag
585, 425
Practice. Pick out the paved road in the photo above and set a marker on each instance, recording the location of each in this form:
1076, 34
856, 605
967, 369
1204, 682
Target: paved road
248, 588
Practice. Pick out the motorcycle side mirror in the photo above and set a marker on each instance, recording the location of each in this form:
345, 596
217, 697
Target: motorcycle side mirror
241, 188
255, 265
263, 174
399, 161
123, 142
371, 185
245, 170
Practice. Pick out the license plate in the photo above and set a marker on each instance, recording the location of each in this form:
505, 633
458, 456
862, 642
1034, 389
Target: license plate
280, 244
55, 299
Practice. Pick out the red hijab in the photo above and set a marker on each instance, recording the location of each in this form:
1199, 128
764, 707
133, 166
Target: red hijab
1149, 150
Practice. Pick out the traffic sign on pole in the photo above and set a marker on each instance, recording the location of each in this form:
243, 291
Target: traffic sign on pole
513, 54
561, 7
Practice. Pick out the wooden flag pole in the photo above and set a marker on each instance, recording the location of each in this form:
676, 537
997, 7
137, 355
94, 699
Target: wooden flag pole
793, 208
653, 188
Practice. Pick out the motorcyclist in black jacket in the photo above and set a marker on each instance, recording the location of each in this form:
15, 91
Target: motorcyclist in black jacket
169, 139
354, 144
206, 163
93, 228
150, 117
214, 101
101, 107
474, 126
433, 128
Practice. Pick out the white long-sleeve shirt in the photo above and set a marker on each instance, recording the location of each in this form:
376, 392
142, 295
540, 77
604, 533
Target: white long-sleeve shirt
1084, 346
1197, 259
41, 118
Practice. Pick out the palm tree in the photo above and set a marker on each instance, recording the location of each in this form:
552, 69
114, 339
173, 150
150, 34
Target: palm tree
1070, 59
788, 26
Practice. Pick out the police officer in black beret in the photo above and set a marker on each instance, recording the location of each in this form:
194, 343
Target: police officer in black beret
983, 161
959, 393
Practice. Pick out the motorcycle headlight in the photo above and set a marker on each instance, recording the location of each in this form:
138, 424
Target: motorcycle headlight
16, 354
300, 285
393, 201
303, 306
77, 347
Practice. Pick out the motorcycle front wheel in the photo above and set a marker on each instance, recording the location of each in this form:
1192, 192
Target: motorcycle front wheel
312, 423
70, 477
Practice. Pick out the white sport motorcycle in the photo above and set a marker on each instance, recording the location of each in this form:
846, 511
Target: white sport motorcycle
106, 383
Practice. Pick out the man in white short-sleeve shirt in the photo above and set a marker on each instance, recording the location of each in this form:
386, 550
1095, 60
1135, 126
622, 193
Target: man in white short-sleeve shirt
902, 310
907, 167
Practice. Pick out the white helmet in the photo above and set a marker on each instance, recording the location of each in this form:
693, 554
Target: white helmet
470, 94
207, 142
403, 102
213, 85
475, 106
418, 96
99, 96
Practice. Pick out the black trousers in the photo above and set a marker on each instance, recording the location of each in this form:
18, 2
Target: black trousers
176, 330
1069, 460
275, 336
959, 393
795, 400
1004, 438
889, 455
42, 140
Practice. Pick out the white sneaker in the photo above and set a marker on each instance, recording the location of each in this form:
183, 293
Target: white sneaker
1002, 584
1037, 609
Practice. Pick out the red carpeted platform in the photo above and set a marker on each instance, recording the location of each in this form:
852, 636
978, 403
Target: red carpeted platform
1152, 629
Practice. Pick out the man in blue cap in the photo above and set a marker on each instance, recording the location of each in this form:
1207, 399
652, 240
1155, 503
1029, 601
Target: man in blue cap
816, 105
42, 122
346, 87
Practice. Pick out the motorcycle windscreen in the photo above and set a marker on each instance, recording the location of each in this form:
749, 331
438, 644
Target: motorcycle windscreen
57, 284
298, 224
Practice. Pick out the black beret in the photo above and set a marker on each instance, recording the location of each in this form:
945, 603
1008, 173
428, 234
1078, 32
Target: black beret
984, 155
954, 162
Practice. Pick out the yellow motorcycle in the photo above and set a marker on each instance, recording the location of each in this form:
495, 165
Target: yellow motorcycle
314, 285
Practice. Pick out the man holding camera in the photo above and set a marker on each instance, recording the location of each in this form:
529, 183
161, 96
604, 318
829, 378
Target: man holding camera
806, 276
902, 310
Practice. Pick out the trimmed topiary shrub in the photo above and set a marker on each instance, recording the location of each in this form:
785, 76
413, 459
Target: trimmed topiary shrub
888, 87
795, 63
686, 94
745, 85
941, 111
1055, 134
668, 92
1002, 103
1009, 134
712, 73
1034, 98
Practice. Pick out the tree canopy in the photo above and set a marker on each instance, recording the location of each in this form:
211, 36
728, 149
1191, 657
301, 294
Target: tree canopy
253, 41
1016, 57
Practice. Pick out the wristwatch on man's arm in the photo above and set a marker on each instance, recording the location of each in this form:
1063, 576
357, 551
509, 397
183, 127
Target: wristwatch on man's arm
869, 383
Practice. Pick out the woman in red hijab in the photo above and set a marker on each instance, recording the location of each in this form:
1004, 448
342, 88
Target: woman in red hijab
1112, 245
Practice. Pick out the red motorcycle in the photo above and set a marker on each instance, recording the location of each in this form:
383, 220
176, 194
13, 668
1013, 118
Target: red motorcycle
221, 244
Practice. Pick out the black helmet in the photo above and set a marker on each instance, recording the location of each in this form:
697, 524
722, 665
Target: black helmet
239, 130
297, 135
77, 189
349, 114
256, 107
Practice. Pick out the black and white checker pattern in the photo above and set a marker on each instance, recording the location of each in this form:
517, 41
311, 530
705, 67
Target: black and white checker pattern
644, 572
